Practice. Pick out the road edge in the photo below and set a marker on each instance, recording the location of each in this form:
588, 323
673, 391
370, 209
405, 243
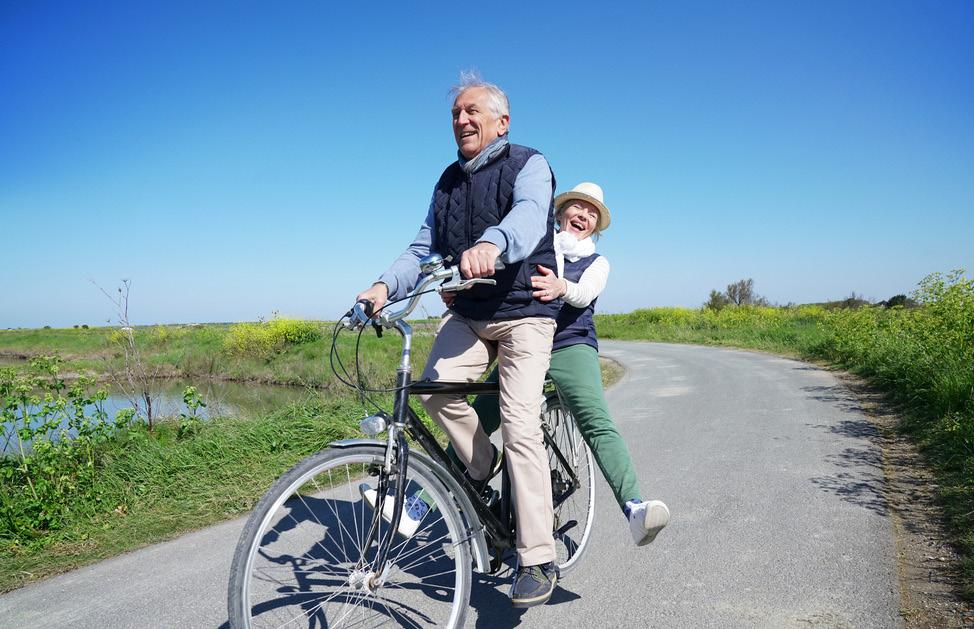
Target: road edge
927, 565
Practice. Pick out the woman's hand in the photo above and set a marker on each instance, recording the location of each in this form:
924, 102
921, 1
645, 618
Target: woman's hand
547, 286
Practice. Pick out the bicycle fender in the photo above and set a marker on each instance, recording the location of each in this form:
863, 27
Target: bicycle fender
474, 527
349, 443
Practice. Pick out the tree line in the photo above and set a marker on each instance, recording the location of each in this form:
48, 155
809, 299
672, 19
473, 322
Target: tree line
742, 293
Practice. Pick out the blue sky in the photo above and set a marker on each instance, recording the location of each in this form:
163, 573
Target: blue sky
235, 159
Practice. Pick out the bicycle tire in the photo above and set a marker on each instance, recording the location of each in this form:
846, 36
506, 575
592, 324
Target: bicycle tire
294, 562
571, 544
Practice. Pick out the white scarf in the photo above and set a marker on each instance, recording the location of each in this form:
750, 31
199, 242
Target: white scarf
572, 248
568, 246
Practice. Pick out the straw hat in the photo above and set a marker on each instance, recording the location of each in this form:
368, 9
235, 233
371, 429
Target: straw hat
586, 191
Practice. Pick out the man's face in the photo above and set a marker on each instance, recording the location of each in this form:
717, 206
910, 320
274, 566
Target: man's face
474, 123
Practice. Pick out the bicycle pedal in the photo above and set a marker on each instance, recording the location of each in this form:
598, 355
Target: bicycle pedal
496, 563
566, 527
491, 497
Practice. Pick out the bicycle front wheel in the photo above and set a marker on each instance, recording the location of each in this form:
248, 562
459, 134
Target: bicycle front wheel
574, 505
305, 557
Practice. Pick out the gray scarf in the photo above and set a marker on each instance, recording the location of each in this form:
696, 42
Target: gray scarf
485, 156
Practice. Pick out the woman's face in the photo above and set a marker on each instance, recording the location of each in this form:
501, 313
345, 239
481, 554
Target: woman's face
579, 218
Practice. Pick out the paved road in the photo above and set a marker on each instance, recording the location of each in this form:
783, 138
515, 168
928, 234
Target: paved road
766, 464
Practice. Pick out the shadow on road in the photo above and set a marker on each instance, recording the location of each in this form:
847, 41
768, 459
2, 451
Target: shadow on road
489, 598
859, 479
300, 576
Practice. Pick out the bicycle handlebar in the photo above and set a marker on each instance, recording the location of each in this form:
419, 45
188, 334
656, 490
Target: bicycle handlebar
433, 266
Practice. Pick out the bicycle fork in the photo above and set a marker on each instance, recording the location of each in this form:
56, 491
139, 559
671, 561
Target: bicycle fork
393, 472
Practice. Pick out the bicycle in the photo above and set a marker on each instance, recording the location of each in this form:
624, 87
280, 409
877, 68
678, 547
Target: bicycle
315, 552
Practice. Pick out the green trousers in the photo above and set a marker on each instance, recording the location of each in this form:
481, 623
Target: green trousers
576, 372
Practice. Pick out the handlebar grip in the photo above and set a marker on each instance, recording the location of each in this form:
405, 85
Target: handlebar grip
368, 307
361, 314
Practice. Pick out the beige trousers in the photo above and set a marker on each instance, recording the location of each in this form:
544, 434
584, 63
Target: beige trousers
462, 352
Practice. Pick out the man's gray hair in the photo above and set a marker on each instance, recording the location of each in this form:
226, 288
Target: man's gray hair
496, 97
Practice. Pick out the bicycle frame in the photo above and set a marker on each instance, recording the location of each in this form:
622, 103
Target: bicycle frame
325, 538
499, 529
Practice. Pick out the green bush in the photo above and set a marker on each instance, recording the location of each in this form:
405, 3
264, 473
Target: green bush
793, 330
266, 338
54, 434
923, 356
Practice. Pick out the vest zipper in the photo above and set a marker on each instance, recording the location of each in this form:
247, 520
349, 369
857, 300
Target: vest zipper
469, 210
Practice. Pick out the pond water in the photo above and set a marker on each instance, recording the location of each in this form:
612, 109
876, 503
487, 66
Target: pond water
223, 399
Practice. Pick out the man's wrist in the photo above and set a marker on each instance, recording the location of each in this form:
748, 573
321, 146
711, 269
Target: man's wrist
496, 237
489, 247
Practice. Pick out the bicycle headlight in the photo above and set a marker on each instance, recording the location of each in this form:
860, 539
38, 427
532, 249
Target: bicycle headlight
374, 424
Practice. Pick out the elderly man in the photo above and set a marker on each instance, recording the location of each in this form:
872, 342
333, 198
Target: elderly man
494, 202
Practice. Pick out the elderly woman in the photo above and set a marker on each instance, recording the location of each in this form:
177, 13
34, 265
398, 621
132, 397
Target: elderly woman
579, 280
581, 276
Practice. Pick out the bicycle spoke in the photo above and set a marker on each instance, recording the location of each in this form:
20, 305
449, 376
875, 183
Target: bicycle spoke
341, 527
305, 546
343, 613
351, 500
572, 469
402, 545
402, 618
431, 544
420, 584
318, 544
308, 613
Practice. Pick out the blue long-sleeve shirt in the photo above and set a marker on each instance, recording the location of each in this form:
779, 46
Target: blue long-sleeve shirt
516, 235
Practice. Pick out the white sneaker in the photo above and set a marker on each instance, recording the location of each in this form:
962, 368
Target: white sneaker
646, 520
416, 509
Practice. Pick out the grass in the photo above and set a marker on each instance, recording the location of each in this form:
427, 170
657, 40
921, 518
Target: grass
156, 485
153, 487
238, 352
923, 358
141, 487
794, 331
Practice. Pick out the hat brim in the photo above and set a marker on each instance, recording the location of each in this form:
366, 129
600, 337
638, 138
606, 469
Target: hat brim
605, 217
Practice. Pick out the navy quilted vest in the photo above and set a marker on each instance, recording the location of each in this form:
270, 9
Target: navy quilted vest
464, 206
576, 325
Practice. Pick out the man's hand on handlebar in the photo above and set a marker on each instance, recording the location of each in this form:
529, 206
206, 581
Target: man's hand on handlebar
481, 260
378, 294
478, 261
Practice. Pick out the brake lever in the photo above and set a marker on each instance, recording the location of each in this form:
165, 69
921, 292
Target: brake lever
361, 314
464, 285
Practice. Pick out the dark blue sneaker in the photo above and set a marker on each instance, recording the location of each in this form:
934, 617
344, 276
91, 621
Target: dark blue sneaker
533, 585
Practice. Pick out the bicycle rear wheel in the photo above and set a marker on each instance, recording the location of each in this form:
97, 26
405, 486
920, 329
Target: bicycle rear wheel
576, 512
303, 559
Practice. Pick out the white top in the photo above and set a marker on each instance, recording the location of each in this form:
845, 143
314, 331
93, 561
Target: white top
589, 286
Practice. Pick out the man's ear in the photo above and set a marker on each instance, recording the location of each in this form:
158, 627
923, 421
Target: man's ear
503, 124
